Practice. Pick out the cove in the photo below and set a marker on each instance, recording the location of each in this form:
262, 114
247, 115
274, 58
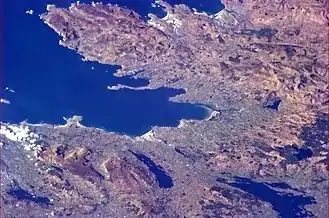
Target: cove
210, 7
51, 82
143, 7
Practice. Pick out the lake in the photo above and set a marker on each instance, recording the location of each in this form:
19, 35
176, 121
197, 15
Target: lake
280, 195
52, 82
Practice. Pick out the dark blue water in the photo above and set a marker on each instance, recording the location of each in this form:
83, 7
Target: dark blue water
287, 205
293, 154
143, 7
208, 6
274, 104
21, 194
180, 152
304, 153
52, 82
280, 185
164, 180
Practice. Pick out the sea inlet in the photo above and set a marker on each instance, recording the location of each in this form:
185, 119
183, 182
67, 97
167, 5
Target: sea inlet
50, 82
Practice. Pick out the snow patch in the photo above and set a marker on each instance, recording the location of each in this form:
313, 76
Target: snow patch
29, 12
23, 135
149, 136
173, 20
50, 6
72, 120
9, 89
182, 123
4, 101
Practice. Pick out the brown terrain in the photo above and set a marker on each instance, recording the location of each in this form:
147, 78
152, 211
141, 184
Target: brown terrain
262, 64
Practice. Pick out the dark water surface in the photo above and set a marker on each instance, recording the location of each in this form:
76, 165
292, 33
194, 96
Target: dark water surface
51, 82
164, 180
21, 194
286, 204
208, 6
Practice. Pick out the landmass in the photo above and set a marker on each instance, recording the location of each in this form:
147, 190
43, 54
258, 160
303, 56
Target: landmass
261, 64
